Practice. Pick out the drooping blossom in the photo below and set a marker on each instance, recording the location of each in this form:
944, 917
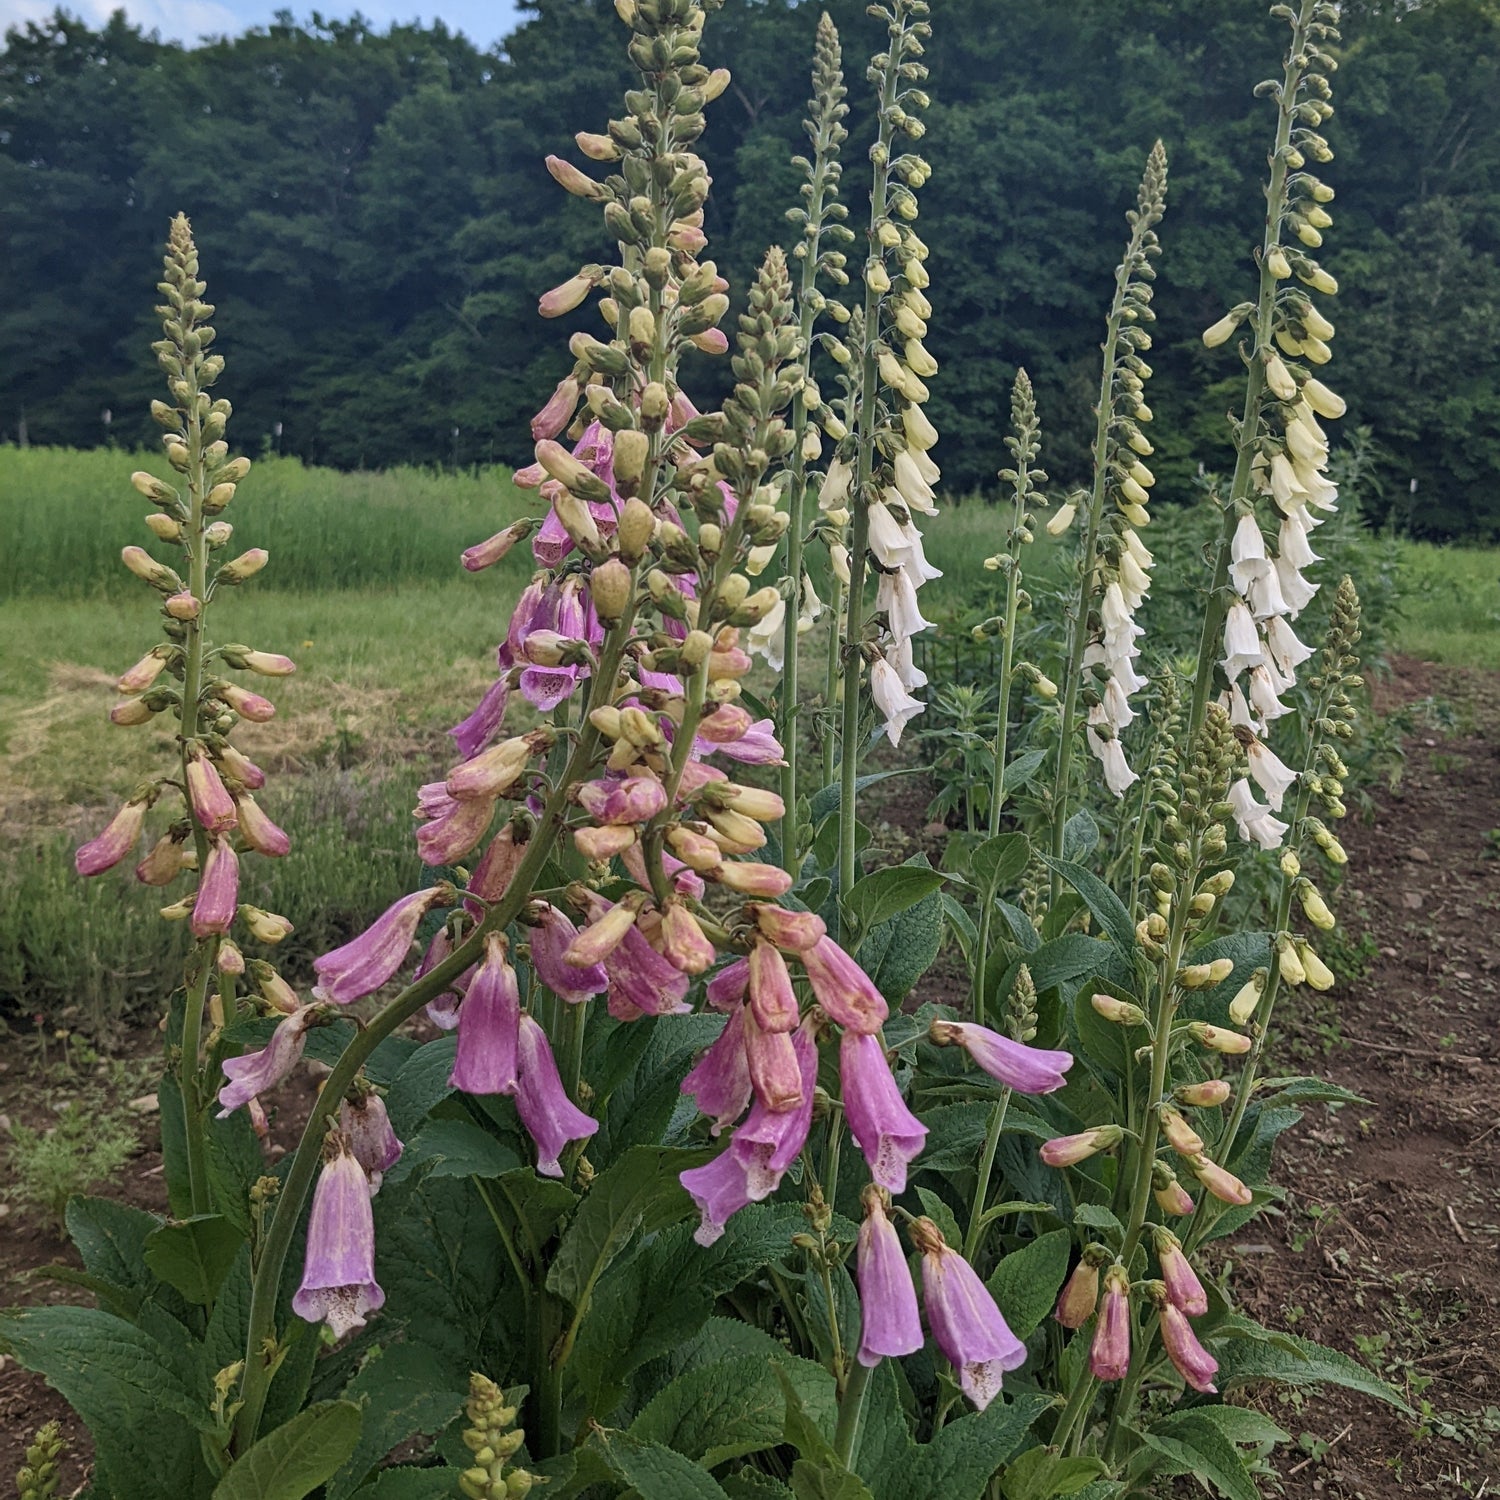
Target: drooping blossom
119, 836
256, 1073
550, 1117
489, 1026
1192, 1361
890, 1324
218, 891
550, 939
1109, 1354
1184, 1290
360, 967
884, 1129
1028, 1070
338, 1278
720, 1080
371, 1138
843, 989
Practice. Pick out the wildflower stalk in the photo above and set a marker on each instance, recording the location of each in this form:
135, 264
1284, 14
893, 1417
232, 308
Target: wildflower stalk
831, 679
867, 417
851, 1412
821, 191
1248, 429
260, 1362
1150, 205
1024, 445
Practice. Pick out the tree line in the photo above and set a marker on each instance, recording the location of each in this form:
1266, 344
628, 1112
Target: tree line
376, 221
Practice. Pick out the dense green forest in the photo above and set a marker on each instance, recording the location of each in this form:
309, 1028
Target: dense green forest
376, 221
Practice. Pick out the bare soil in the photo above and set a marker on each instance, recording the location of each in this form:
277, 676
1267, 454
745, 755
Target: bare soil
1388, 1246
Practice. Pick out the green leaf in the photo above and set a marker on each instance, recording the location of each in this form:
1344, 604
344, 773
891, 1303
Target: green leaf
118, 1300
638, 1193
959, 1462
942, 1216
643, 1102
403, 1392
1022, 932
1038, 1474
110, 1239
145, 1420
1107, 908
752, 1484
540, 1203
1026, 1282
999, 862
421, 1083
195, 1255
1100, 1219
291, 1462
1299, 1090
1247, 1354
886, 893
963, 927
657, 1472
454, 1148
812, 1481
900, 951
1019, 772
1200, 1449
1080, 835
1073, 956
716, 1412
1240, 1424
406, 1483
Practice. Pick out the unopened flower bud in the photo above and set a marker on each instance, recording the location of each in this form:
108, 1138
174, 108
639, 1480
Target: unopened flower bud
1224, 1185
611, 588
1318, 975
1181, 1136
1205, 1095
1289, 961
1247, 999
1171, 1197
183, 606
571, 180
1121, 1012
635, 529
1066, 1150
1314, 908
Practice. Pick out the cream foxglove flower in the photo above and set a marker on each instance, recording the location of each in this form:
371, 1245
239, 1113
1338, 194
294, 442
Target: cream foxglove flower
1061, 519
896, 595
838, 560
920, 433
1286, 483
894, 704
1247, 555
1292, 543
1255, 822
1296, 592
767, 636
1116, 705
899, 656
1138, 550
916, 563
1286, 651
916, 490
1110, 754
1270, 773
1264, 596
1238, 709
887, 542
1135, 582
1241, 642
836, 482
1263, 691
1125, 674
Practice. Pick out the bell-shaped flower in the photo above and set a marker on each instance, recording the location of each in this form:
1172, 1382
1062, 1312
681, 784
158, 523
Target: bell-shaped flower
1247, 552
550, 1117
474, 733
550, 939
1270, 773
893, 703
1027, 1070
884, 1129
1265, 684
338, 1276
767, 636
1292, 543
218, 891
1192, 1361
1241, 641
1265, 597
888, 544
1255, 823
720, 1080
843, 989
208, 796
1109, 752
117, 839
900, 657
966, 1324
256, 1073
1184, 1290
1296, 592
1286, 651
368, 1125
489, 1019
719, 1189
775, 1071
890, 1324
914, 479
453, 828
642, 982
897, 597
360, 967
769, 1140
1109, 1355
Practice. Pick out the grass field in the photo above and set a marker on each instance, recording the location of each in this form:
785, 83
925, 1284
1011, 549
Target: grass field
394, 643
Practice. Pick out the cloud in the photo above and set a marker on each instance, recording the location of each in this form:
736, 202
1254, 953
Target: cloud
184, 20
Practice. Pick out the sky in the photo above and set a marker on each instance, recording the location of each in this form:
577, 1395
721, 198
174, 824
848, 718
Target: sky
483, 21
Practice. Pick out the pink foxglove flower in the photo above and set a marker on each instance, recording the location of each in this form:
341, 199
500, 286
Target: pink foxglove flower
1171, 1197
1223, 1184
553, 934
1080, 1294
843, 989
775, 1069
257, 830
218, 891
757, 746
257, 1073
475, 732
1028, 1070
1193, 1362
890, 1324
550, 1117
641, 981
489, 1026
371, 1138
729, 986
1068, 1150
769, 1140
338, 1277
360, 967
884, 1129
791, 931
210, 800
1184, 1290
118, 838
633, 799
241, 769
1109, 1355
773, 1001
720, 1190
966, 1324
720, 1080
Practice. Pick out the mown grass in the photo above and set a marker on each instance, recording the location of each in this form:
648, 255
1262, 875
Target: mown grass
394, 643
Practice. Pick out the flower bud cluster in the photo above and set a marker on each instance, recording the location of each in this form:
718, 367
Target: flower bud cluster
493, 1439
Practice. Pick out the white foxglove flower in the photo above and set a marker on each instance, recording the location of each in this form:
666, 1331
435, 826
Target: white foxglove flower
1110, 754
1241, 642
759, 558
1263, 697
1247, 555
920, 433
1296, 592
894, 704
1116, 706
898, 598
1120, 630
1292, 541
1238, 709
1270, 773
1320, 489
767, 638
1286, 485
887, 542
912, 677
1303, 444
926, 467
1286, 651
1135, 581
838, 560
915, 490
812, 606
836, 482
916, 563
1265, 596
1254, 821
1061, 519
1125, 674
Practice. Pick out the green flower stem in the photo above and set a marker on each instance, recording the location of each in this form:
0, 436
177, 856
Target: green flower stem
261, 1332
851, 1412
506, 1238
190, 1077
831, 682
1215, 606
1079, 1399
977, 1222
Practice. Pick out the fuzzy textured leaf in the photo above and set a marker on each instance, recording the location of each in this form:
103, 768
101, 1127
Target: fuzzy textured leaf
195, 1255
291, 1462
1026, 1282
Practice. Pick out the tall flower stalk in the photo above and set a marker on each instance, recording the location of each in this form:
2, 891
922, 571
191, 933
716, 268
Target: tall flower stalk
219, 818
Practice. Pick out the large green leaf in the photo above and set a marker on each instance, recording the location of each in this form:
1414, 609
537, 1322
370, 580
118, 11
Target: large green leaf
291, 1462
453, 1148
403, 1392
752, 1484
827, 799
717, 1411
144, 1418
1026, 1282
656, 1472
960, 1461
1107, 908
999, 862
1200, 1449
637, 1194
898, 952
1039, 1474
886, 893
110, 1239
1080, 835
1248, 1352
642, 1103
405, 1483
1071, 957
421, 1083
195, 1255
